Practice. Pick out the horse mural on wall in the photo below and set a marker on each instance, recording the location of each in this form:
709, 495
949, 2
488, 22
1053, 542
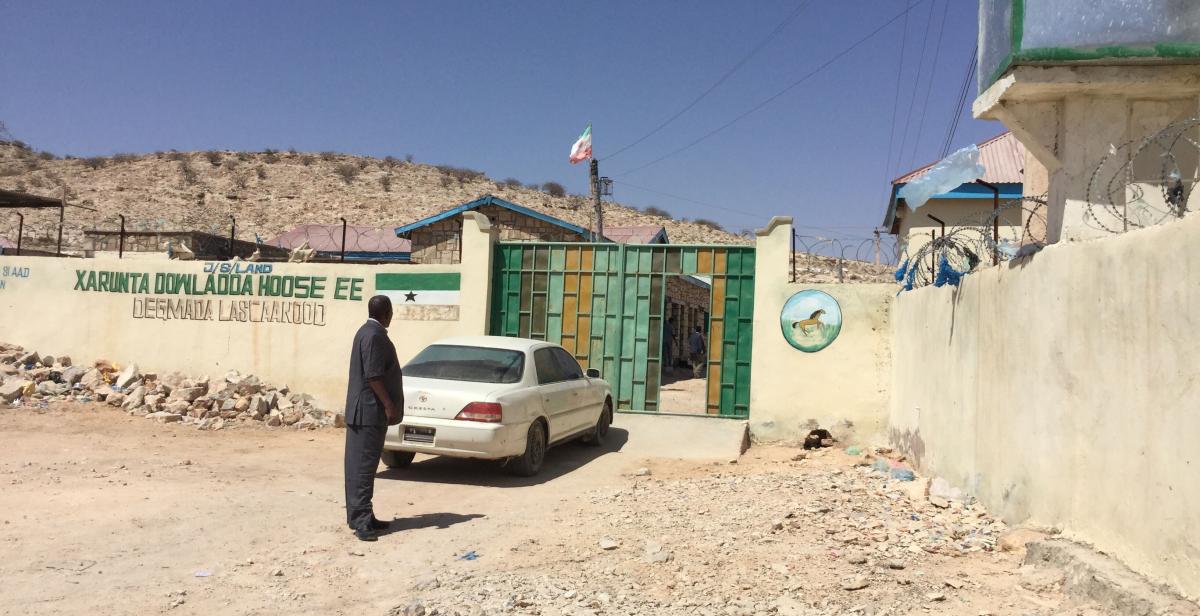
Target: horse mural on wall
811, 320
814, 320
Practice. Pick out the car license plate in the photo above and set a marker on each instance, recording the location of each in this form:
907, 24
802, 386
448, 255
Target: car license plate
423, 436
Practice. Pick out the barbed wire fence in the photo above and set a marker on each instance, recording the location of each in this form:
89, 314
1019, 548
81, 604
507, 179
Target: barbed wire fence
1012, 230
1138, 184
1145, 182
822, 259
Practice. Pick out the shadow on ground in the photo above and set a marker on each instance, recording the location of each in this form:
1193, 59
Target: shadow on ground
560, 460
429, 520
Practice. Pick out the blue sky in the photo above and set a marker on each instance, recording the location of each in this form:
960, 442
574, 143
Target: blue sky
506, 87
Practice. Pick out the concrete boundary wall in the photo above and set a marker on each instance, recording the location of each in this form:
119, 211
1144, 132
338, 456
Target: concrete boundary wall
288, 323
1064, 391
843, 387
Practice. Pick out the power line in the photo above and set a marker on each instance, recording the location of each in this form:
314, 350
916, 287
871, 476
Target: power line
779, 28
688, 199
896, 99
912, 101
937, 53
775, 96
958, 106
743, 213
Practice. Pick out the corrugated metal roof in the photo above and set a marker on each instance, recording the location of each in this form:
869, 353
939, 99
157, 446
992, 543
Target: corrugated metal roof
496, 201
638, 234
1002, 156
328, 238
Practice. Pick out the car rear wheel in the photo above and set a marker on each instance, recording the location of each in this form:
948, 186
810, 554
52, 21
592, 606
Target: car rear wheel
529, 463
596, 437
397, 459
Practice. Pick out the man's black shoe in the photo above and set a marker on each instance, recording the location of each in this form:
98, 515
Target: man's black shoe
377, 524
366, 535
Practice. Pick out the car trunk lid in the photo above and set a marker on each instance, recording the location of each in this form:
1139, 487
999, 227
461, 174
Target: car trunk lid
442, 399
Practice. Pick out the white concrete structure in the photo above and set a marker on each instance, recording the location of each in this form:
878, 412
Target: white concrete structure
1062, 391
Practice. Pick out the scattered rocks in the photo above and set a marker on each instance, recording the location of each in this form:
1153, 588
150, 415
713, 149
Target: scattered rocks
12, 389
127, 376
642, 472
1017, 538
857, 582
656, 553
608, 544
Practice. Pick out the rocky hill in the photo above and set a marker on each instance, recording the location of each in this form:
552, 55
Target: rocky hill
272, 191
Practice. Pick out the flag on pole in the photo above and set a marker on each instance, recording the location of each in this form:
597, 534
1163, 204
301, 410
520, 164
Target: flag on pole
582, 150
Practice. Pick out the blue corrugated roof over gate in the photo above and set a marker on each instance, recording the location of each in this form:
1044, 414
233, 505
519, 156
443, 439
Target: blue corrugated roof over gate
498, 202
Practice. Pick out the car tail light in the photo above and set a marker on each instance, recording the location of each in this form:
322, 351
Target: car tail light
488, 412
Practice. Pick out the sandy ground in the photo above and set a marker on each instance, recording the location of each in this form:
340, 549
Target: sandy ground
681, 393
109, 514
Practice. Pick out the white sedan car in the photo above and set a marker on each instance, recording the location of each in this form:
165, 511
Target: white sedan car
497, 398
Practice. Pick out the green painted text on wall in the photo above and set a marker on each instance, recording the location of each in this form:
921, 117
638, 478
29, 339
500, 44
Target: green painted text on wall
263, 285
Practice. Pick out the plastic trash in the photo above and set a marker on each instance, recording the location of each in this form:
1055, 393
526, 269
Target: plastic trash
854, 450
903, 474
203, 573
881, 465
960, 167
472, 555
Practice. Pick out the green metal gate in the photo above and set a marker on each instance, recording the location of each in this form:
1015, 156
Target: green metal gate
604, 304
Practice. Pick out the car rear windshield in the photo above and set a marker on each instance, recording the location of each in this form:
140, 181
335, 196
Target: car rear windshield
467, 363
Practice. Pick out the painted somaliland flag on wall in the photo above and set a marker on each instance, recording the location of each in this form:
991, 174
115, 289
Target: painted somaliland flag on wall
423, 289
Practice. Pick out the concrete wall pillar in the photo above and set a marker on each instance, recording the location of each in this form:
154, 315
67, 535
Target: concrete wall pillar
478, 249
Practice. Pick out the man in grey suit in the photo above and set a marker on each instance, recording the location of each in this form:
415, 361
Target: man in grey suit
374, 401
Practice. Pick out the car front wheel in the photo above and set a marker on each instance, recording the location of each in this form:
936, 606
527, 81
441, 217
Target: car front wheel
529, 463
397, 459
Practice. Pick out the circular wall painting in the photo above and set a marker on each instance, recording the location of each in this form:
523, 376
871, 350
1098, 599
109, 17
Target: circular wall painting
811, 320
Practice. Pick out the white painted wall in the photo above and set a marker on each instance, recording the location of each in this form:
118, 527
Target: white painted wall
42, 311
843, 387
1064, 391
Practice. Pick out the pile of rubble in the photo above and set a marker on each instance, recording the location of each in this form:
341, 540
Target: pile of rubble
30, 379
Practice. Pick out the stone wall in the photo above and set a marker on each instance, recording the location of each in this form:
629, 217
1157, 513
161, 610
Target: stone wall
439, 242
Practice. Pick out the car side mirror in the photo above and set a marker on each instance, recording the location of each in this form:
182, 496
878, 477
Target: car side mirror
593, 373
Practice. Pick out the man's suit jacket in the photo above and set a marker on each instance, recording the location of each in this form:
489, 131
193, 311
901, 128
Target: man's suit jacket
372, 356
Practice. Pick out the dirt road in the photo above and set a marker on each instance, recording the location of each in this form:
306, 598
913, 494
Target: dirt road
109, 514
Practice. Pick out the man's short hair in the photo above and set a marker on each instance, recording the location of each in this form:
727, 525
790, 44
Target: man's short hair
379, 307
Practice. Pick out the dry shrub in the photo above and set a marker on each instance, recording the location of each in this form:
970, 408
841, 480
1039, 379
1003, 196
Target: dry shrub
554, 189
186, 173
348, 171
386, 182
213, 157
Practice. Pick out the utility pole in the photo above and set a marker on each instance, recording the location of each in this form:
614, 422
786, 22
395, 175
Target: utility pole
597, 214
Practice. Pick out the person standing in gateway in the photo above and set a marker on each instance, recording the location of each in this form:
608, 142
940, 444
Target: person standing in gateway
374, 401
